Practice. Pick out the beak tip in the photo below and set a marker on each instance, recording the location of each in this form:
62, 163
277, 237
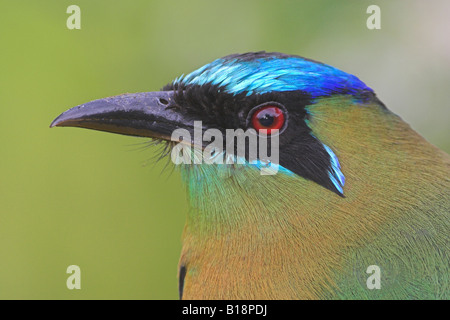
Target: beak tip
55, 123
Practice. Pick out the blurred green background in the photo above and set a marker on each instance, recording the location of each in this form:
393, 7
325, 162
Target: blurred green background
73, 196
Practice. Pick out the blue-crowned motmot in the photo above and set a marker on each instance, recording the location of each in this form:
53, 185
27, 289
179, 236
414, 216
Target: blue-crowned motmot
357, 187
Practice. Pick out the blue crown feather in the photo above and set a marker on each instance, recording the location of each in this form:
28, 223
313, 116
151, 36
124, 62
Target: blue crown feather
271, 72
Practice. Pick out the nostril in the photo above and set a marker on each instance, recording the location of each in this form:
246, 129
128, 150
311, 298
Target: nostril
163, 101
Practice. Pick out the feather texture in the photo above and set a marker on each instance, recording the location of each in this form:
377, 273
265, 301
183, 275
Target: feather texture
283, 237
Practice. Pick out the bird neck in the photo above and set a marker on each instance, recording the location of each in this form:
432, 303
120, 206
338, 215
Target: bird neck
282, 232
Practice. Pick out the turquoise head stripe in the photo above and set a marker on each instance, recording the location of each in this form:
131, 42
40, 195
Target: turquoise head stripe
268, 74
335, 173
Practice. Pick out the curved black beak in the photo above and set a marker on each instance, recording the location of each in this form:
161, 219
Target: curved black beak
146, 114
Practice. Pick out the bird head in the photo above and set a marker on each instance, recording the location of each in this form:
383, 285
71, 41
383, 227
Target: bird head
349, 169
288, 96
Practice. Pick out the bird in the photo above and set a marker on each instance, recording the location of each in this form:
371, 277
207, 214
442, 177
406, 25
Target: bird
358, 207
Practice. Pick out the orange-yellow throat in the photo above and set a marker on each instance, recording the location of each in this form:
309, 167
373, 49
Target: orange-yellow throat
250, 236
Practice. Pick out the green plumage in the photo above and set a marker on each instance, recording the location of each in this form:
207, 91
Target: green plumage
264, 237
359, 189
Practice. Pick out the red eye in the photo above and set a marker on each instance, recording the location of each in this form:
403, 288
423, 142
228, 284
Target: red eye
269, 118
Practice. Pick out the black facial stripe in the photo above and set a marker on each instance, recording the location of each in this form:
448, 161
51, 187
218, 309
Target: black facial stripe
300, 152
212, 105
